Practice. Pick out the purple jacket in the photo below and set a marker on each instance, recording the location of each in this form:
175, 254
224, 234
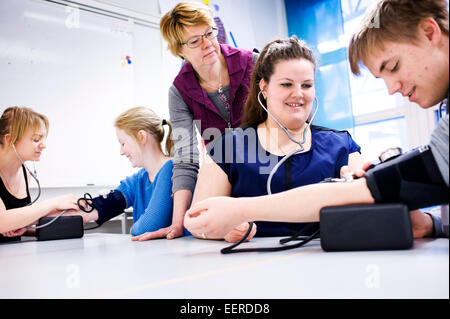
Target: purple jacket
240, 67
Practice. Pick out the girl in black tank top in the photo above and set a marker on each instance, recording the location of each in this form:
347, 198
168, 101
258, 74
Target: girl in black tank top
11, 202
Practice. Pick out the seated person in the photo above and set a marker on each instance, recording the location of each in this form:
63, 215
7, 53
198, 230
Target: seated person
22, 138
140, 133
281, 99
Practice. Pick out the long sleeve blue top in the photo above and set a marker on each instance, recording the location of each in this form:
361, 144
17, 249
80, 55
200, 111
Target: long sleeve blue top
152, 202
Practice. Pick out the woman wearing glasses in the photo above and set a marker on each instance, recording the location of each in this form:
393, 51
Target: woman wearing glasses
210, 91
23, 133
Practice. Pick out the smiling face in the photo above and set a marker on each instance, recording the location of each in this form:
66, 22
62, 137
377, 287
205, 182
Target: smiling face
206, 53
418, 70
129, 148
290, 92
31, 144
411, 71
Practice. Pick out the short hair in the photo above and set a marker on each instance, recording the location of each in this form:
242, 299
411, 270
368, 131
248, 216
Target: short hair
142, 118
393, 21
275, 51
16, 120
184, 14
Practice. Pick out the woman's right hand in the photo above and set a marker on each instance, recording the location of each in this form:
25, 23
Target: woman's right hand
357, 172
215, 217
68, 201
14, 233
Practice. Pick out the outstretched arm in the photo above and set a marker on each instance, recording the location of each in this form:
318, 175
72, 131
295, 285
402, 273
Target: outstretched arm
14, 219
215, 217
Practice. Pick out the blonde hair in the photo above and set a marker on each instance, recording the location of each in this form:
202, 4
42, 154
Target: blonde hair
16, 120
142, 118
393, 21
184, 14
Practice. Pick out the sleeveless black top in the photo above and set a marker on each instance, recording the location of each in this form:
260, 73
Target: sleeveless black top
11, 202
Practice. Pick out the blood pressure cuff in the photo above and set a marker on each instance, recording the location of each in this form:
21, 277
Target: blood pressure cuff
109, 206
412, 178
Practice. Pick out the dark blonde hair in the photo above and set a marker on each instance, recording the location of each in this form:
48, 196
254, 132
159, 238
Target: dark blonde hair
274, 52
16, 120
184, 14
142, 118
393, 21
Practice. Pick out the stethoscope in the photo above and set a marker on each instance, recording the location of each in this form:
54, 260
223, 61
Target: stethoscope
87, 198
304, 239
33, 174
286, 130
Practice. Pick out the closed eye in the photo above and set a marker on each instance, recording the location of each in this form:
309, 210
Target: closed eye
395, 68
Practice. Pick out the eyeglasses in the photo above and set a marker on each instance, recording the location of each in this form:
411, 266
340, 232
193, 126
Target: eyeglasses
197, 40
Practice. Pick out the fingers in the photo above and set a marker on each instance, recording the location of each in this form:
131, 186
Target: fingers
358, 172
344, 170
194, 220
197, 209
151, 235
239, 232
174, 232
366, 166
171, 234
14, 233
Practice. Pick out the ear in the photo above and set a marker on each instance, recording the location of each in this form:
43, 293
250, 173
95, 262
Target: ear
5, 139
263, 87
431, 30
142, 137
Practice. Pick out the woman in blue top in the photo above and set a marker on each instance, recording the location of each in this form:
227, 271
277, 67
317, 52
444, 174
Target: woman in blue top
283, 82
140, 133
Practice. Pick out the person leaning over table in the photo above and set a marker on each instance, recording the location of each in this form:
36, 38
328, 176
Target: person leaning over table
210, 89
409, 50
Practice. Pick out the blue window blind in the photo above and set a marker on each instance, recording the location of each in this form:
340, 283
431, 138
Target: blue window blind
320, 24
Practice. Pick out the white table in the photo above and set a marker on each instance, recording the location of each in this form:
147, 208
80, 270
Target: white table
103, 265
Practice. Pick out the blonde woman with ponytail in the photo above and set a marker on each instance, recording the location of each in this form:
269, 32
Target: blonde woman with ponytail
140, 132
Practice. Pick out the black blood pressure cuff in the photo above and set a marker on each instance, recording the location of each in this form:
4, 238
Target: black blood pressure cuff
412, 178
109, 206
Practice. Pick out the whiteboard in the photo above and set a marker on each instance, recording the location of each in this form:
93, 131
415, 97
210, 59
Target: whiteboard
71, 66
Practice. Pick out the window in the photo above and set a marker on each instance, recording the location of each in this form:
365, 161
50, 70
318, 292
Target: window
381, 120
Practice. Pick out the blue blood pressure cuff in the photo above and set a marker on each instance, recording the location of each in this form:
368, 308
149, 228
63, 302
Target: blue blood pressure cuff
109, 206
412, 178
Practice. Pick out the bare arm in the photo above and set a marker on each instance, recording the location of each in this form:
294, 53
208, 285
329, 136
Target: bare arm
303, 204
212, 181
16, 218
217, 216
